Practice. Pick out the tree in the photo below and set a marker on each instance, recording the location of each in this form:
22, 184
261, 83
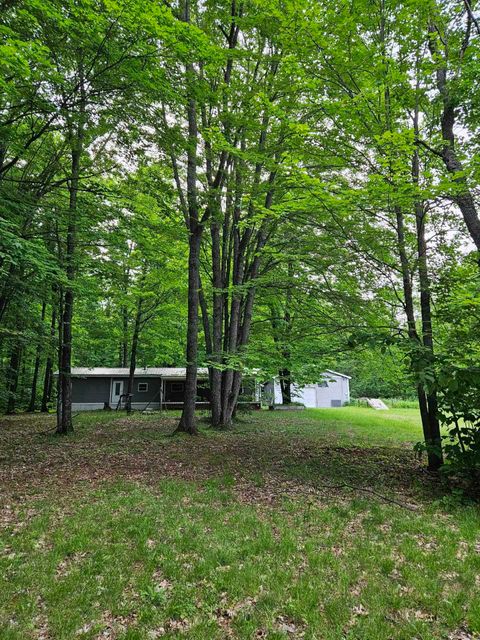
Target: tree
95, 56
450, 43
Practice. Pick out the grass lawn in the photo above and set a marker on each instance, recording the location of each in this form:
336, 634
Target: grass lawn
318, 524
366, 426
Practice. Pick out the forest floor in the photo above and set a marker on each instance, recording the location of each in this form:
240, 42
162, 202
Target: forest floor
319, 524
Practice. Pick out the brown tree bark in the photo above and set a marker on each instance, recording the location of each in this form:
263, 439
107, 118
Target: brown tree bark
195, 225
76, 135
425, 410
124, 343
435, 457
64, 418
217, 325
123, 352
232, 322
6, 292
279, 330
282, 329
48, 377
59, 355
12, 377
187, 422
463, 197
235, 265
36, 367
286, 385
133, 355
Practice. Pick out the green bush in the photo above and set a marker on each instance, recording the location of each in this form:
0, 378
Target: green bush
459, 412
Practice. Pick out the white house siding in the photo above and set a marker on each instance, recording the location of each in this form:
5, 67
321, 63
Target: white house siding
307, 395
317, 396
277, 392
337, 389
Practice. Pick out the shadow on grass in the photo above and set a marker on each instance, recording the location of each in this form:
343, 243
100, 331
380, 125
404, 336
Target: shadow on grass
265, 459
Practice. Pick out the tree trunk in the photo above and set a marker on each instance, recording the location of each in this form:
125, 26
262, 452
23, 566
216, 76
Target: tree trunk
217, 325
133, 356
285, 373
36, 367
187, 422
64, 423
33, 391
286, 385
59, 355
414, 337
23, 383
435, 457
47, 385
124, 344
64, 416
232, 379
464, 198
48, 379
12, 377
6, 291
243, 333
244, 272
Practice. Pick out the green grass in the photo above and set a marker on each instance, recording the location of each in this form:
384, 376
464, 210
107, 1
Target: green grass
370, 426
401, 403
392, 403
271, 531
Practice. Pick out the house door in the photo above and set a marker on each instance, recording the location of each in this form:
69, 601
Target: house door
117, 391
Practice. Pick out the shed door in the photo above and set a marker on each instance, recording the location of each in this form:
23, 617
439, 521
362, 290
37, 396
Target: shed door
117, 391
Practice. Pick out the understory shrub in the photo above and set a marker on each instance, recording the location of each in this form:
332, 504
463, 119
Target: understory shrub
459, 413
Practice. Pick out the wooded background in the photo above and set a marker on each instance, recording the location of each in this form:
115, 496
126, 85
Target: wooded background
285, 186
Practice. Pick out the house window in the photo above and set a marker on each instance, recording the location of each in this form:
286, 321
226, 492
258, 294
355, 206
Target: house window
118, 388
142, 386
177, 386
323, 383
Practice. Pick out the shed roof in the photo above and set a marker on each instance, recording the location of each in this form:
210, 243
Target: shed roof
335, 373
123, 372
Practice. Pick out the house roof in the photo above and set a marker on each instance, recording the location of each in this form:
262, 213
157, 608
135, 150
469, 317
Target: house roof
123, 372
329, 372
335, 373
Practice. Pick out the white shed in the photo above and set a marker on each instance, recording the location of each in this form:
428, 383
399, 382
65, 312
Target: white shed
333, 390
